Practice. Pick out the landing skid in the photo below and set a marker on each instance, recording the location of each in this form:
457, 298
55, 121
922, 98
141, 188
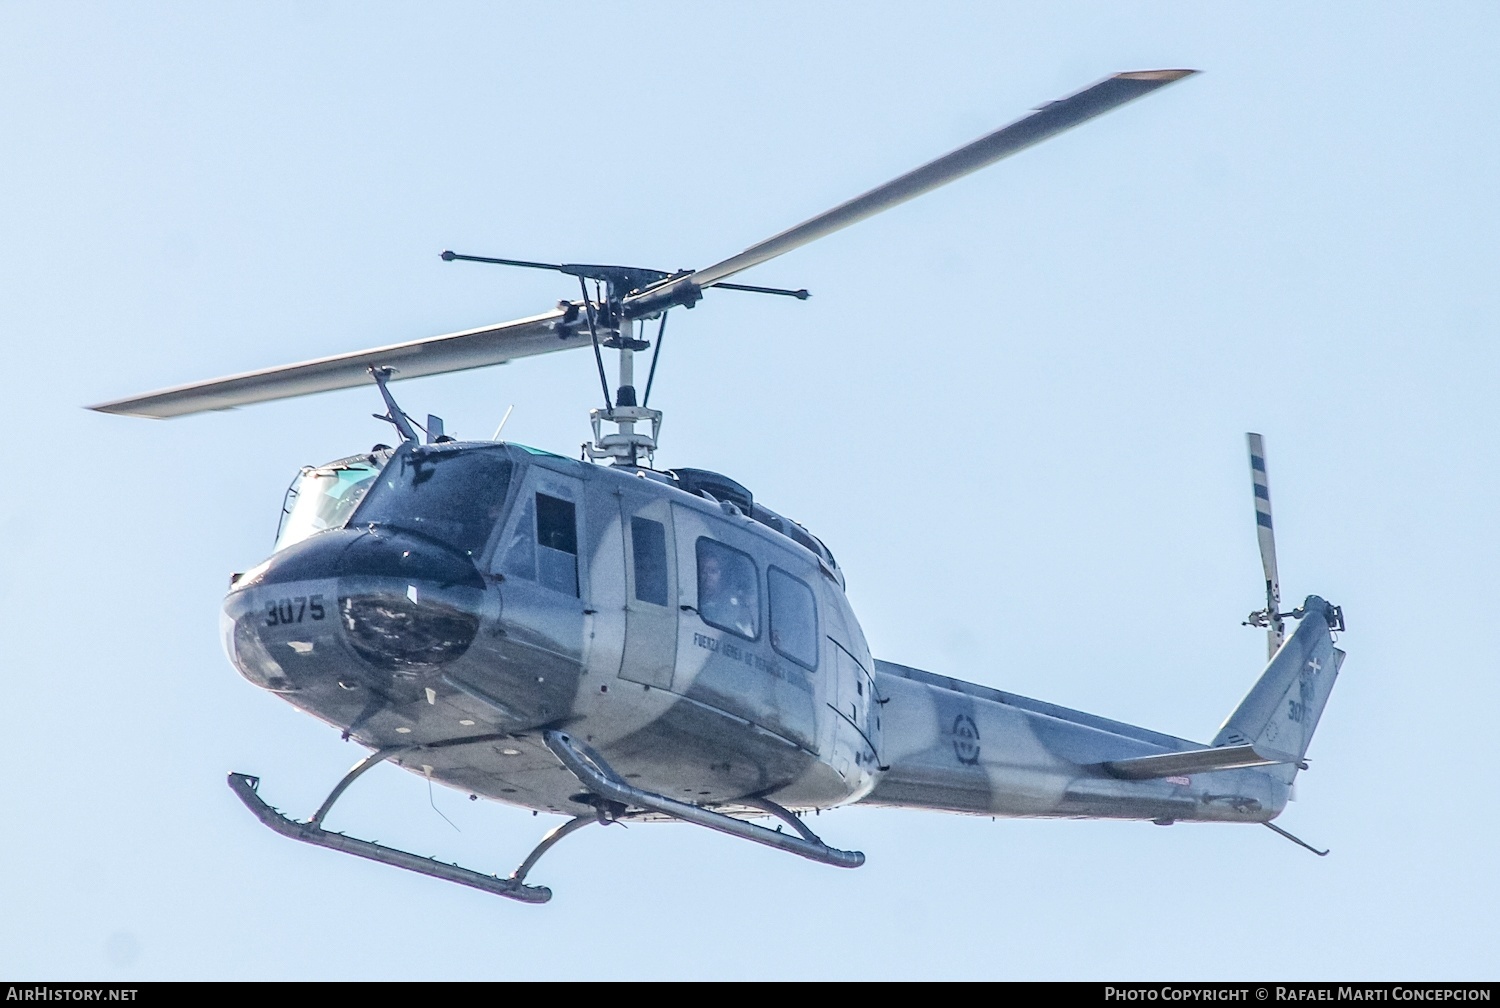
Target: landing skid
613, 801
245, 786
617, 796
312, 832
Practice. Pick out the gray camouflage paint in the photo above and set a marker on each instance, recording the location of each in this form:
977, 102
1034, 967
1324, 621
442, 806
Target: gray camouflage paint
688, 710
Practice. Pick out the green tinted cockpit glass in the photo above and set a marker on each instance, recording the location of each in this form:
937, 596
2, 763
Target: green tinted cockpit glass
324, 497
539, 451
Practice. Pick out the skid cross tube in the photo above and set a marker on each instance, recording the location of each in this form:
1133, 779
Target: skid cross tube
766, 805
596, 775
555, 834
378, 756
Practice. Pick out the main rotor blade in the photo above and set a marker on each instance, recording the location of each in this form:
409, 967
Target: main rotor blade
475, 348
1047, 121
459, 351
1267, 536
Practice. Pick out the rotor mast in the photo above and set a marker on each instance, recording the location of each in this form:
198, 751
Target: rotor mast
609, 327
627, 446
611, 323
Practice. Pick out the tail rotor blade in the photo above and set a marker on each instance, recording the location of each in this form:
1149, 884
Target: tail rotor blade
1267, 536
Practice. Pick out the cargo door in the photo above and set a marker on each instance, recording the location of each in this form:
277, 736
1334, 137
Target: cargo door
544, 575
727, 656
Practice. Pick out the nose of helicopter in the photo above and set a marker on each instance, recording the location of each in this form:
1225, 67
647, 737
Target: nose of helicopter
382, 600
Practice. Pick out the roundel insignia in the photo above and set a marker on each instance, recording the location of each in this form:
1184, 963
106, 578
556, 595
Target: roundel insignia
965, 740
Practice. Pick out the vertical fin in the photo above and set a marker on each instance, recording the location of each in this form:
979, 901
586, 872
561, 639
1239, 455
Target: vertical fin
1281, 710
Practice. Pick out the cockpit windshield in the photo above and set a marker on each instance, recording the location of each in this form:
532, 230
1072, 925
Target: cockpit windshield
324, 497
453, 495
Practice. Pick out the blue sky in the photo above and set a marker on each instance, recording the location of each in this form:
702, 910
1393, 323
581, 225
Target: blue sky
1013, 408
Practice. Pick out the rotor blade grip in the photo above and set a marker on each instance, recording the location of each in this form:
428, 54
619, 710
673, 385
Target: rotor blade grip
1047, 121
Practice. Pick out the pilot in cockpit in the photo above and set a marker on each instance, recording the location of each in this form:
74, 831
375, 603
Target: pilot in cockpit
727, 596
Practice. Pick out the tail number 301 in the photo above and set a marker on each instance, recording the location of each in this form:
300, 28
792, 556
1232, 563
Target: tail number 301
294, 610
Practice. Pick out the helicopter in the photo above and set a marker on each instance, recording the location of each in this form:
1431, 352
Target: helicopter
602, 639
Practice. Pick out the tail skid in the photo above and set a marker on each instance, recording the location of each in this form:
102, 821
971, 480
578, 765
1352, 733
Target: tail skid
1294, 839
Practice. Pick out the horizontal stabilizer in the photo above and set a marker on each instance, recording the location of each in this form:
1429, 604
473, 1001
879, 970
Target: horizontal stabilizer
1195, 761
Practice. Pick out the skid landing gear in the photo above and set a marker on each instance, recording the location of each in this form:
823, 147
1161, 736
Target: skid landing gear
244, 786
613, 799
615, 794
312, 832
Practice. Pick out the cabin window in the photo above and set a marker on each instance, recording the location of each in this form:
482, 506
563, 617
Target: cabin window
543, 546
728, 589
794, 618
556, 544
648, 544
520, 551
324, 498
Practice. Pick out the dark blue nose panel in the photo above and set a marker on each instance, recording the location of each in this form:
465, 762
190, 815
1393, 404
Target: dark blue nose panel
406, 556
401, 556
393, 601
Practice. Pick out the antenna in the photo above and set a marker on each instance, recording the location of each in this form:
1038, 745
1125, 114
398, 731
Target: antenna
503, 420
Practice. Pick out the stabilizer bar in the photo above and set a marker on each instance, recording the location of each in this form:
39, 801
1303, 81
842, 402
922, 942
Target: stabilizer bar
245, 786
596, 775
